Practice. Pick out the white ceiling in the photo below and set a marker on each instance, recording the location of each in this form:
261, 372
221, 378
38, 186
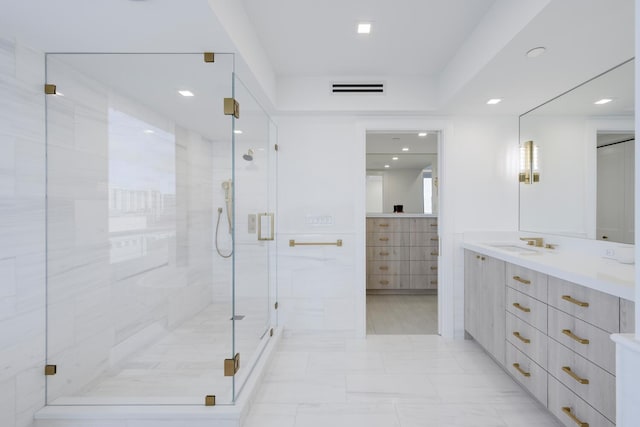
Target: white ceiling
466, 51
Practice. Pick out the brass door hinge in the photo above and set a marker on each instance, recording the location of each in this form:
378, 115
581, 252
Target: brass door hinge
231, 108
275, 305
50, 369
49, 89
209, 57
232, 366
210, 400
276, 147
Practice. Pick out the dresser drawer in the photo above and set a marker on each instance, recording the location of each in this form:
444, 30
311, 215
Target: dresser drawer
399, 225
388, 267
423, 253
382, 281
391, 253
423, 225
527, 339
570, 409
424, 281
423, 267
527, 308
527, 372
585, 339
423, 239
527, 281
597, 308
589, 381
387, 239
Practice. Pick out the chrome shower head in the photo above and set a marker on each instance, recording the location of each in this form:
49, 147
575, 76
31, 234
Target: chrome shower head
249, 156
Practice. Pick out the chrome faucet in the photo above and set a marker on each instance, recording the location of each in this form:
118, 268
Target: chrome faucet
533, 241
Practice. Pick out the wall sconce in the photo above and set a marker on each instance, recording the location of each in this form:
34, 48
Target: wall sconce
529, 170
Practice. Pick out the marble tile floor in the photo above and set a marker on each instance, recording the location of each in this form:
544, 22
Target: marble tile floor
402, 314
182, 366
387, 381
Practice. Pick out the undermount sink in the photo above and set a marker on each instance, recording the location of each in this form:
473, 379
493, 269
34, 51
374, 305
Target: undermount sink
512, 248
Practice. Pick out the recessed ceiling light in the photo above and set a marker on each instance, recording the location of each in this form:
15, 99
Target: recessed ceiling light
387, 166
422, 134
603, 101
185, 92
405, 148
237, 131
494, 101
148, 131
536, 51
364, 28
394, 158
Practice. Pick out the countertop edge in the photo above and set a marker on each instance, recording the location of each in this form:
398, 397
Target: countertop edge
609, 287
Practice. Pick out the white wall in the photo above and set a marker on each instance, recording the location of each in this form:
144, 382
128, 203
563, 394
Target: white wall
322, 288
22, 234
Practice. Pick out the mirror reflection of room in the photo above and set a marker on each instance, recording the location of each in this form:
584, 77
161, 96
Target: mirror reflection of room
402, 232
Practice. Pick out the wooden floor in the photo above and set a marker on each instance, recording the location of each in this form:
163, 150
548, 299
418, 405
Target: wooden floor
402, 314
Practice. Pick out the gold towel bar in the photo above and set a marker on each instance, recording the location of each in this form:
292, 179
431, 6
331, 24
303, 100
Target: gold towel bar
293, 243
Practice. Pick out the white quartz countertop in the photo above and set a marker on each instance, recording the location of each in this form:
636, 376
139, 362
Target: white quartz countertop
595, 272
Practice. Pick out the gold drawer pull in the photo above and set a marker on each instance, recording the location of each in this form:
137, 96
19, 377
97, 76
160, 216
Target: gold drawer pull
436, 254
383, 225
433, 267
573, 375
384, 282
519, 369
575, 419
384, 253
521, 338
521, 308
383, 267
384, 239
433, 225
435, 239
521, 280
574, 337
575, 301
480, 257
434, 282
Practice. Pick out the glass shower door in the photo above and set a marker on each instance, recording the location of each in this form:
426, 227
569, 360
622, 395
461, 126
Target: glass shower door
254, 159
137, 311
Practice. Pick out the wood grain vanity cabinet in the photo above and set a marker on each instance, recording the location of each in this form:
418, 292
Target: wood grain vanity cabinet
402, 253
557, 337
484, 302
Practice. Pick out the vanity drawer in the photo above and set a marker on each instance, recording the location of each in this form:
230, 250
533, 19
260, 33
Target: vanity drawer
527, 372
423, 239
423, 225
627, 316
391, 253
385, 225
527, 308
424, 267
592, 383
387, 239
592, 343
424, 281
388, 267
570, 409
382, 281
597, 308
527, 281
527, 339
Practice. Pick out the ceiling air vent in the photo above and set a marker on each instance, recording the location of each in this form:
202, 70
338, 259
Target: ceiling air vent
357, 88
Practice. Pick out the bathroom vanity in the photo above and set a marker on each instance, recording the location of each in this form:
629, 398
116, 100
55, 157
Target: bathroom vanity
402, 253
546, 317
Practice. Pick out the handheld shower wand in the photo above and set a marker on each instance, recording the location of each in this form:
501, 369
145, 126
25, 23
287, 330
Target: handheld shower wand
228, 199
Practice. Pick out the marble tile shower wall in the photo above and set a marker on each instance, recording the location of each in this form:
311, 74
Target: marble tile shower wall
22, 234
101, 310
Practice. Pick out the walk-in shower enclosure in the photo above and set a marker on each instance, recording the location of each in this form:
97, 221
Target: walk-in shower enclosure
160, 250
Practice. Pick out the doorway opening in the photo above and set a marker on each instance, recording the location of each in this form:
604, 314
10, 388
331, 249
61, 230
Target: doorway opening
402, 244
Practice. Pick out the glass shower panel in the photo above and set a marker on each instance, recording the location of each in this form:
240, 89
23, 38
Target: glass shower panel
254, 179
135, 312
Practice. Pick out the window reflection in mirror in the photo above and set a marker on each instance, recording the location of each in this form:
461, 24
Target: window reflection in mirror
576, 177
402, 171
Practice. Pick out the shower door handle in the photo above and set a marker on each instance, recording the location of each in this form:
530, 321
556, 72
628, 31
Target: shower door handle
266, 226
